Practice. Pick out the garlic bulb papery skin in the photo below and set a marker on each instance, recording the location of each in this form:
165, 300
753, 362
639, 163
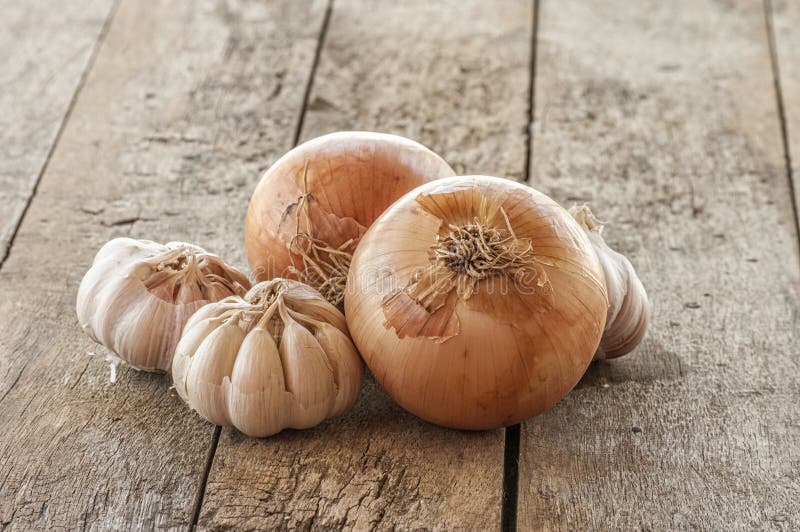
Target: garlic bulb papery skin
476, 302
138, 294
629, 309
280, 357
312, 206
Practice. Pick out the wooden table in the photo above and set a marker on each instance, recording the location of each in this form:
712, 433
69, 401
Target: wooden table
679, 122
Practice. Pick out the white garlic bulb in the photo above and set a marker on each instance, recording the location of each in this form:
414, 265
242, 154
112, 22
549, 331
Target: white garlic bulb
628, 306
137, 296
280, 357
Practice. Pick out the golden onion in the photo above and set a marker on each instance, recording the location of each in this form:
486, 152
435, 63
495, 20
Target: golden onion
476, 302
313, 205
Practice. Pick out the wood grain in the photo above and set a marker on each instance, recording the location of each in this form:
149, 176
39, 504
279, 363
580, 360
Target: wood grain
45, 53
785, 18
453, 75
186, 103
663, 117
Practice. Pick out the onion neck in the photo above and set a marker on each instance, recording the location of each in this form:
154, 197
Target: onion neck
467, 255
478, 251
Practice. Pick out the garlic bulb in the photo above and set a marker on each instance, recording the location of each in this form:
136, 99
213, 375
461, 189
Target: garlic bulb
312, 206
629, 309
476, 302
137, 296
279, 358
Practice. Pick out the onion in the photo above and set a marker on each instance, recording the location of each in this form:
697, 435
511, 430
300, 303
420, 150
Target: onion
313, 205
476, 302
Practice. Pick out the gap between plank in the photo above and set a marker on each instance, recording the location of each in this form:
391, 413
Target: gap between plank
323, 31
78, 88
201, 491
508, 519
776, 77
531, 93
508, 516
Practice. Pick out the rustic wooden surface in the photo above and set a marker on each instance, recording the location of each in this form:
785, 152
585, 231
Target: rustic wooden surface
154, 119
45, 53
664, 117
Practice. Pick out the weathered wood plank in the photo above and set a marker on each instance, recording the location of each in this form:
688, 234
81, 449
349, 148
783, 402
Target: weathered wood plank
453, 75
663, 116
45, 52
785, 18
185, 104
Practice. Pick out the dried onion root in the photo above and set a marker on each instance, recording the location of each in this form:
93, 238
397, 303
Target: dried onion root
469, 254
322, 266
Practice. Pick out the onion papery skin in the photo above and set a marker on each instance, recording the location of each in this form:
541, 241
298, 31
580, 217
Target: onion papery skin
492, 359
352, 177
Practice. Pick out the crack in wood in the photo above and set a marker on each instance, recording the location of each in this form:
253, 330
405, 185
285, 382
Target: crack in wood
201, 492
780, 103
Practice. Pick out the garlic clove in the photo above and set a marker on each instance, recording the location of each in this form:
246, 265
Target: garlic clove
213, 310
188, 292
194, 334
307, 301
631, 319
217, 266
348, 370
146, 350
216, 291
132, 332
257, 396
208, 377
124, 316
123, 250
309, 375
88, 291
629, 308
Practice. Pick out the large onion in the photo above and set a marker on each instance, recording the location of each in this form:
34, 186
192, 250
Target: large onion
476, 302
332, 188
